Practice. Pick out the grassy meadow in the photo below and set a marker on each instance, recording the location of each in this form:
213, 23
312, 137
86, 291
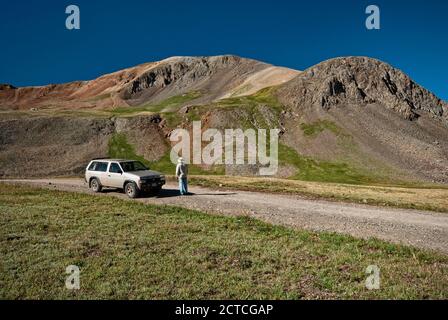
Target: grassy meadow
130, 250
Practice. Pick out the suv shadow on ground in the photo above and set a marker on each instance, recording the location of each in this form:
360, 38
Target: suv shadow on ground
167, 193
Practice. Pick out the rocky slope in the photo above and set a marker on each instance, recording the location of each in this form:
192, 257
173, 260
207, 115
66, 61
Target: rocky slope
58, 146
379, 118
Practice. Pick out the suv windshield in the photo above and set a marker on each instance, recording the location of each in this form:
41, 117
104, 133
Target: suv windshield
130, 166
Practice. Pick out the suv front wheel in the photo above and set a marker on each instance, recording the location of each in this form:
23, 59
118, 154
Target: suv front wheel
95, 185
131, 190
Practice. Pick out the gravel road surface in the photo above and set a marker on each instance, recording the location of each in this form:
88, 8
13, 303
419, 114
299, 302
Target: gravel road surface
422, 229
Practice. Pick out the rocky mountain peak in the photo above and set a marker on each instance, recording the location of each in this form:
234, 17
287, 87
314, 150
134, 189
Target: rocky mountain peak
181, 74
360, 81
6, 86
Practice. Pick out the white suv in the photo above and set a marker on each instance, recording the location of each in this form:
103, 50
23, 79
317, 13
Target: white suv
131, 176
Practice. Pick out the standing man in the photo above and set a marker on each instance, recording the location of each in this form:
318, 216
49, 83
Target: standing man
181, 174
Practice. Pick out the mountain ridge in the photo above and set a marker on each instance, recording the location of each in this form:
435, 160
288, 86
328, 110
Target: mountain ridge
147, 66
331, 82
144, 83
347, 119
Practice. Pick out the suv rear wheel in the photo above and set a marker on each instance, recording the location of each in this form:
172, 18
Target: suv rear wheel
95, 185
131, 190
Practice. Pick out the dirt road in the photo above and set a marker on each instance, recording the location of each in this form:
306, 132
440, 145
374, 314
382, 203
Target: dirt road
422, 229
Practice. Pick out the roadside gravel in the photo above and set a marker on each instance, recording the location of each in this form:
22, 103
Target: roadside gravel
423, 229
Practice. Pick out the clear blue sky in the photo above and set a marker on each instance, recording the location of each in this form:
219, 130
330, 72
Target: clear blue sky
37, 49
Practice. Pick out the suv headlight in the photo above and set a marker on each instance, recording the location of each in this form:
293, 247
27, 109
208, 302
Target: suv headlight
162, 177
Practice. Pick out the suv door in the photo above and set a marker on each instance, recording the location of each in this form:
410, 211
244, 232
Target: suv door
100, 172
115, 175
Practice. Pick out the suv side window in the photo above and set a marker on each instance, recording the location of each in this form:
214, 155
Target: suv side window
101, 166
92, 166
98, 166
114, 168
